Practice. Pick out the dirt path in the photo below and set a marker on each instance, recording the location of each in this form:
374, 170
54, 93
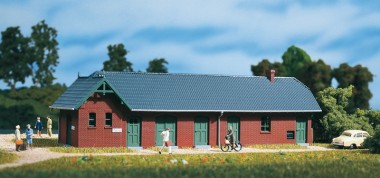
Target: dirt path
42, 154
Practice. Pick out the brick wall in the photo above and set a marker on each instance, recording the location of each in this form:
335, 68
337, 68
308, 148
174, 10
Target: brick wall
213, 130
148, 131
101, 136
185, 131
63, 115
310, 131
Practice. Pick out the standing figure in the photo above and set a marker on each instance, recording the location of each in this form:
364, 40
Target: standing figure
166, 142
39, 126
18, 138
49, 126
230, 135
29, 136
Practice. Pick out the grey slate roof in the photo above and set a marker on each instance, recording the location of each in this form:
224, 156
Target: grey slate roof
198, 93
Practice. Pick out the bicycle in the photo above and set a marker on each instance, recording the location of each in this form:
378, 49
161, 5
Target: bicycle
228, 146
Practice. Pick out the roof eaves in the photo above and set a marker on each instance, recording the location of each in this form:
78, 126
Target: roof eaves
116, 92
61, 108
94, 87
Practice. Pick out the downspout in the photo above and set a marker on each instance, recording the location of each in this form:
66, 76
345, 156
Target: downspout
59, 120
221, 114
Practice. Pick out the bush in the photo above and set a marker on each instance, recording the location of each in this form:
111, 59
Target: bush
373, 143
22, 106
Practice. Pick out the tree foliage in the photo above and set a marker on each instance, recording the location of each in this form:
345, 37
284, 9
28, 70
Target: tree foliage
46, 95
262, 67
35, 56
359, 77
14, 57
373, 143
295, 61
117, 60
335, 120
317, 76
157, 65
44, 48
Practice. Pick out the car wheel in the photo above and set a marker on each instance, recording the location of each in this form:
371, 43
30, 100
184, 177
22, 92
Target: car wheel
352, 146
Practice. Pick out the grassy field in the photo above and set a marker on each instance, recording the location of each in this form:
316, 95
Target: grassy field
282, 164
276, 146
91, 150
6, 157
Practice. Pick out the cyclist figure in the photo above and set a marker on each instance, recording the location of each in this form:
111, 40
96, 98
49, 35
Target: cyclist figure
230, 136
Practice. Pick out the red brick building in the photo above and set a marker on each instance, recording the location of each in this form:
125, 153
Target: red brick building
121, 109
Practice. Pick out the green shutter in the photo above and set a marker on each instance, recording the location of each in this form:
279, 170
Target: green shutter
163, 122
301, 130
133, 132
201, 131
234, 122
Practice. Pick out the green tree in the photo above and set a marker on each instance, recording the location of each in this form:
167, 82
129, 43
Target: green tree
317, 76
117, 60
373, 116
359, 77
262, 67
157, 66
14, 57
373, 143
335, 118
44, 52
296, 61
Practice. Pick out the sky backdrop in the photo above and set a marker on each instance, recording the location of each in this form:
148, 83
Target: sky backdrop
203, 37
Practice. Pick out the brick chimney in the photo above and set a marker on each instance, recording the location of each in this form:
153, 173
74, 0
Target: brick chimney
271, 74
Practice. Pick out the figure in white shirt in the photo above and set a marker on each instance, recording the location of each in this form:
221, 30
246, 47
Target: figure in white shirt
165, 139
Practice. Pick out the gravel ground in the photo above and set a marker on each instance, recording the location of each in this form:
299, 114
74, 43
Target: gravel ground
42, 154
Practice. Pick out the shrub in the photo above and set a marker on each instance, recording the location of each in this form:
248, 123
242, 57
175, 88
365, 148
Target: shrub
373, 143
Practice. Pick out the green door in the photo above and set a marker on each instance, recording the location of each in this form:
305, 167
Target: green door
201, 131
68, 129
301, 130
133, 132
162, 123
234, 122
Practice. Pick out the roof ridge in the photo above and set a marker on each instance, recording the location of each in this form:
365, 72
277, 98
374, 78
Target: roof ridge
184, 74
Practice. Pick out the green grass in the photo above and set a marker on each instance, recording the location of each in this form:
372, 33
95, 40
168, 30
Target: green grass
282, 164
6, 157
45, 142
275, 146
325, 145
155, 148
91, 150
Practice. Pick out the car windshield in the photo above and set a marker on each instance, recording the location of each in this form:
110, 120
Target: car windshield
348, 134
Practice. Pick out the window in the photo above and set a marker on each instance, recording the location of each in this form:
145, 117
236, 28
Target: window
92, 119
108, 119
265, 124
290, 134
365, 135
358, 135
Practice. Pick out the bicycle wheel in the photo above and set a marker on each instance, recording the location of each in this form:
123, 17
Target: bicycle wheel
225, 148
238, 147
